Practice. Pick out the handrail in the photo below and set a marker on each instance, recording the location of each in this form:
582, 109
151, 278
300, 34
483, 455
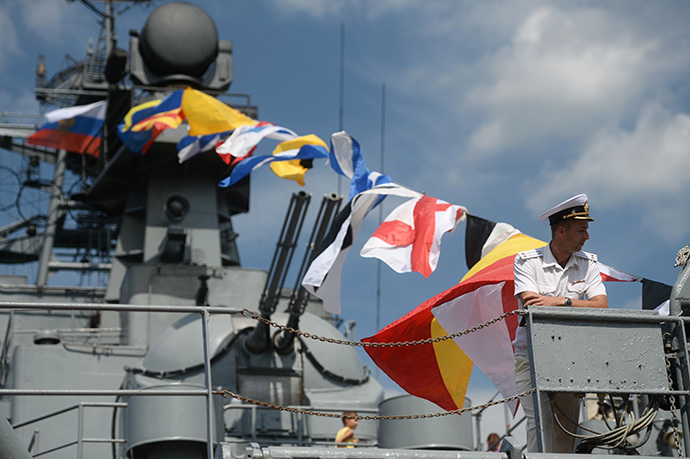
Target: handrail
207, 392
69, 408
127, 392
21, 306
301, 420
80, 434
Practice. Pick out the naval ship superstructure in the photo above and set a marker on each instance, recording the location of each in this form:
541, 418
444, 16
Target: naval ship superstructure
168, 358
133, 368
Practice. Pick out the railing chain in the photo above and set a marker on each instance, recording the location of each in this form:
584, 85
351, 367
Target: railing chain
251, 314
224, 393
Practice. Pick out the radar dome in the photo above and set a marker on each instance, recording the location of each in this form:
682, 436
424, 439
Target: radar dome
179, 38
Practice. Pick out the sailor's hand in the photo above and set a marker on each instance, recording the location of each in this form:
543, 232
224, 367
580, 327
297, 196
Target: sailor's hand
533, 299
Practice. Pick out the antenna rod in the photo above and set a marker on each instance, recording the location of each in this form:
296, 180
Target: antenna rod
378, 264
342, 77
341, 109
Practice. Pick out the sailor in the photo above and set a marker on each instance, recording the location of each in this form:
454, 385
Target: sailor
558, 274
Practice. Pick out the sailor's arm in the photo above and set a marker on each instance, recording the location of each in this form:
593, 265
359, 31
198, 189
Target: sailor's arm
534, 299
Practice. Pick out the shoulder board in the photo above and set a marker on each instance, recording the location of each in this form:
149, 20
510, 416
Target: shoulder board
587, 255
534, 253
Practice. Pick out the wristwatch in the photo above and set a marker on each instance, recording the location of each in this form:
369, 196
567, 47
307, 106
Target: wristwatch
568, 302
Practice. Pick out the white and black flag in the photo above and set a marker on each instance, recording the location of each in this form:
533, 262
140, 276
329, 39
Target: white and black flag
322, 279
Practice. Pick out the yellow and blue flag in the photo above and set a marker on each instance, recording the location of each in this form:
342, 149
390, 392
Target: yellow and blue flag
297, 150
143, 123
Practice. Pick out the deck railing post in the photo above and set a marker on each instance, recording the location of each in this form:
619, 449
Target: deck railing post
207, 375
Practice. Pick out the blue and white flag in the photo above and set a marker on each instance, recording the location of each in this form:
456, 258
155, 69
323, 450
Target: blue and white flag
191, 146
245, 138
346, 159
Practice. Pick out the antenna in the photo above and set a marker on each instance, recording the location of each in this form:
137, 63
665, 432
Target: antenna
378, 264
342, 85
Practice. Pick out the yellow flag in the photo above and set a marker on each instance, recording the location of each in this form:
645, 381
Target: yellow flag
208, 115
293, 169
290, 170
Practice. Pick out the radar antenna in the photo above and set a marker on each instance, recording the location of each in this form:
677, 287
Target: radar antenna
78, 81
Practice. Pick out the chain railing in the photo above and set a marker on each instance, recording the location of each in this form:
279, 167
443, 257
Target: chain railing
251, 314
225, 393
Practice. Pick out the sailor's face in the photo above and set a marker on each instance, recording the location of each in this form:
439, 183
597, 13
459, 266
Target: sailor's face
576, 234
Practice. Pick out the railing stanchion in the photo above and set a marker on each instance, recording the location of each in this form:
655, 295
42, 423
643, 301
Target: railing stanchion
80, 434
207, 375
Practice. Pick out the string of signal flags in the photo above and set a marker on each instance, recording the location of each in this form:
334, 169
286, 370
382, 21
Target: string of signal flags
408, 240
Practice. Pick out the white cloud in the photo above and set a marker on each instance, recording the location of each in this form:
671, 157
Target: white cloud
323, 9
563, 74
635, 167
653, 159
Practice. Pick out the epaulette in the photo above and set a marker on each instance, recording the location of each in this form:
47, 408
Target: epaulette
534, 253
587, 255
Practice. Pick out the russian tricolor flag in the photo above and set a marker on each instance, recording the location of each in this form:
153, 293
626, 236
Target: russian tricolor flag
78, 129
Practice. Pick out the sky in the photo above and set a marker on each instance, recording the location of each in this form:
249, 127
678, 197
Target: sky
504, 107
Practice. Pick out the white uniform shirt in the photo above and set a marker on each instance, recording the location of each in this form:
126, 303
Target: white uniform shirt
538, 271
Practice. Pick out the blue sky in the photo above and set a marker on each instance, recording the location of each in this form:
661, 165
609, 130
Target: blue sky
504, 107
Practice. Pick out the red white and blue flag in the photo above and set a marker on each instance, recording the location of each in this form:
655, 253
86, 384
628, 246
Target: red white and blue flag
77, 129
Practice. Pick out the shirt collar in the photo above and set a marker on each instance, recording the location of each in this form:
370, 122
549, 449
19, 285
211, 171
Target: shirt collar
550, 260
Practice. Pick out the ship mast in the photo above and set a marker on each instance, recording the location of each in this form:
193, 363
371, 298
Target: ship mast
77, 83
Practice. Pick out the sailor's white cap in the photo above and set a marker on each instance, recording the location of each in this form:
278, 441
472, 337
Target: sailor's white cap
576, 208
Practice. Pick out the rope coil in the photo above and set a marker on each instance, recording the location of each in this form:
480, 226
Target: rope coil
682, 256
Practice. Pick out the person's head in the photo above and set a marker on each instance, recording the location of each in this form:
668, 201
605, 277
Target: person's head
350, 419
569, 222
492, 441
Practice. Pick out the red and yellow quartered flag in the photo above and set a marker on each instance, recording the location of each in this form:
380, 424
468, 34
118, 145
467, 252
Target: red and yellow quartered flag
440, 372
